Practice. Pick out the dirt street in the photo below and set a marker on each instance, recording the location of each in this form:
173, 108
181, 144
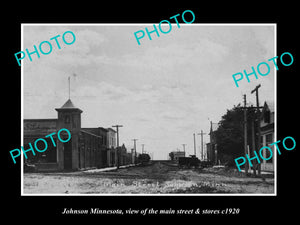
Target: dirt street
157, 178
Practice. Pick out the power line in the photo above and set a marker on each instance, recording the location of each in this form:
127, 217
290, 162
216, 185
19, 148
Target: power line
134, 141
183, 145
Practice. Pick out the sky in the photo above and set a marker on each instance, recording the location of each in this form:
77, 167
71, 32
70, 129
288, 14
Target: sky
161, 91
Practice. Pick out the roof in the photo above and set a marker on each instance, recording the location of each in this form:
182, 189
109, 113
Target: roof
110, 129
37, 120
68, 105
102, 128
89, 133
269, 105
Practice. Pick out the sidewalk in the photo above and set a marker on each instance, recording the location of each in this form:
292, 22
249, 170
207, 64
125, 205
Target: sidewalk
262, 172
107, 169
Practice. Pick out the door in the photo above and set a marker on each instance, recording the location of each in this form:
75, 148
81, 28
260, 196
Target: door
104, 158
68, 155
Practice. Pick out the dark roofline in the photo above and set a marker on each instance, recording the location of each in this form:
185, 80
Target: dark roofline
68, 106
83, 131
68, 109
96, 128
102, 128
39, 119
111, 129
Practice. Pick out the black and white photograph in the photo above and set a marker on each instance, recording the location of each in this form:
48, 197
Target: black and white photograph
149, 112
129, 109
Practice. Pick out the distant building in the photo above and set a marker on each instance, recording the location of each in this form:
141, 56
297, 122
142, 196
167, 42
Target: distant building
175, 155
267, 134
211, 148
88, 147
123, 156
111, 144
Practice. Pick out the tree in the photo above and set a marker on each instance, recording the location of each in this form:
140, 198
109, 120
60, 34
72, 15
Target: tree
230, 135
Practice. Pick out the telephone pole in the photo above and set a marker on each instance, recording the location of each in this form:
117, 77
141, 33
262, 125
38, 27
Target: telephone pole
134, 141
253, 143
143, 148
194, 144
69, 86
118, 151
258, 123
201, 143
183, 145
245, 134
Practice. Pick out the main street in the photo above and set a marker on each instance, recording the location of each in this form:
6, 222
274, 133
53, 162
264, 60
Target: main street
160, 177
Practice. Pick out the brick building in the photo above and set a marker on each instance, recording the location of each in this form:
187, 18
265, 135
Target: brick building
88, 147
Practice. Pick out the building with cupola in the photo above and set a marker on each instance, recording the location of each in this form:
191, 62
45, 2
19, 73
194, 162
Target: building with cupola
88, 147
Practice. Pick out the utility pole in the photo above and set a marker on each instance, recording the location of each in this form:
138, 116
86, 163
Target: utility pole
255, 165
258, 123
253, 144
69, 86
183, 145
134, 141
118, 151
143, 148
194, 144
205, 152
245, 134
201, 143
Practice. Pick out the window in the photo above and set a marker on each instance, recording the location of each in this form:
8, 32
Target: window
67, 118
267, 116
47, 156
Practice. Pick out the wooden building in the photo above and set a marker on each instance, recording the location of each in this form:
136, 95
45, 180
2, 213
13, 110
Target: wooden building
267, 134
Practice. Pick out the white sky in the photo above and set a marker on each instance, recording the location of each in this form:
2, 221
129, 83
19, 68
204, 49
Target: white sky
161, 91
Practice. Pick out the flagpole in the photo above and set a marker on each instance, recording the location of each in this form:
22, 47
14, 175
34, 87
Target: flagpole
69, 86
